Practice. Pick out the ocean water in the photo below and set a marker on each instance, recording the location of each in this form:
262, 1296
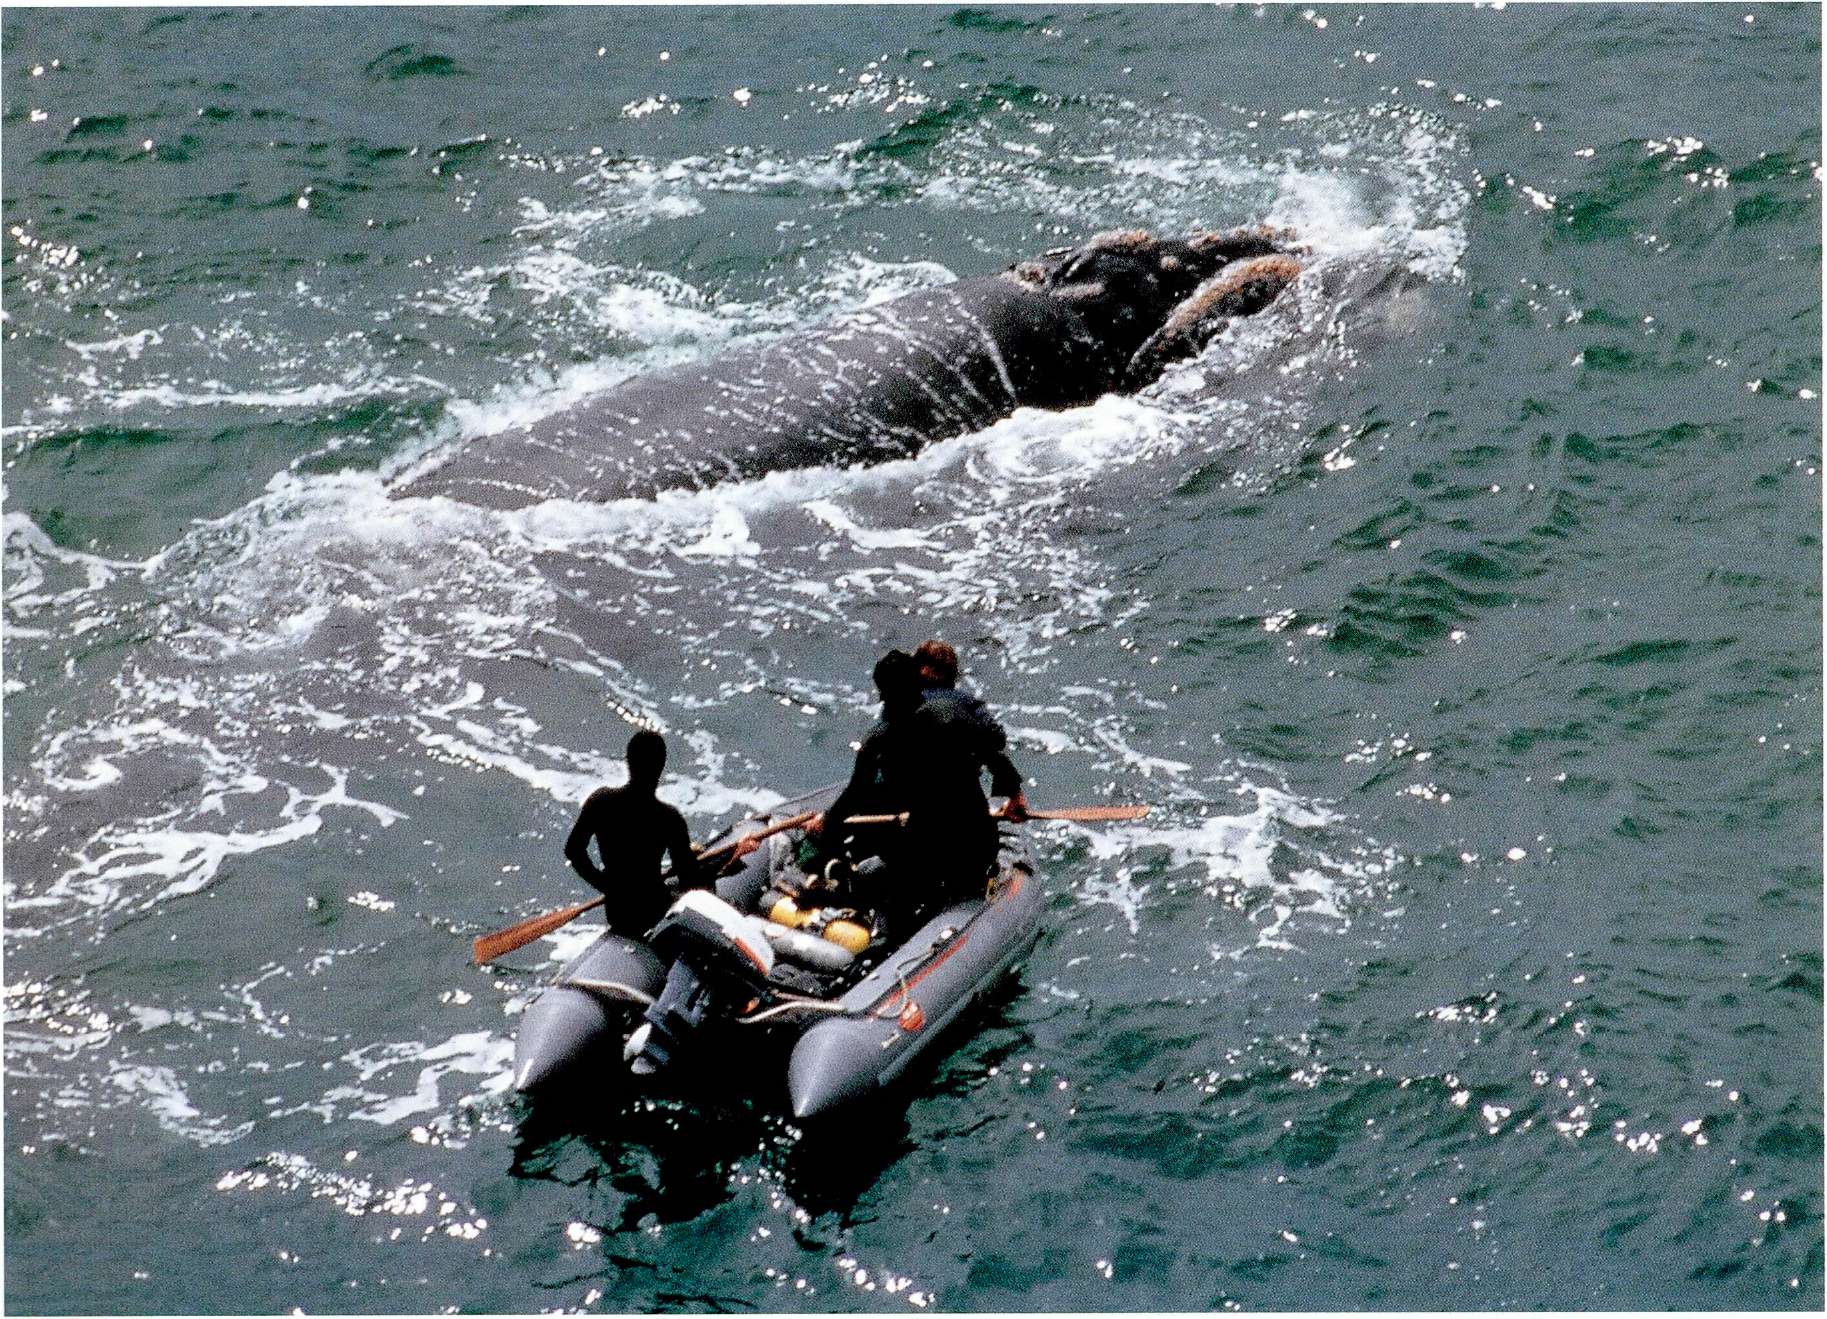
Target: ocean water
1461, 618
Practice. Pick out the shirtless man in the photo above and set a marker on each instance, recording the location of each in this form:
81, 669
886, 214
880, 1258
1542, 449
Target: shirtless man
633, 828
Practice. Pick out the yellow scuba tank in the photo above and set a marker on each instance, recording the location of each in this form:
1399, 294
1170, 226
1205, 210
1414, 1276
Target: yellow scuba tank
786, 912
852, 936
846, 934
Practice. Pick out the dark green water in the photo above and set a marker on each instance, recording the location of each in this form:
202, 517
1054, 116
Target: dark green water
1462, 619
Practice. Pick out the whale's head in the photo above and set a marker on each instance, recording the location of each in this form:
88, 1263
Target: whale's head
1130, 287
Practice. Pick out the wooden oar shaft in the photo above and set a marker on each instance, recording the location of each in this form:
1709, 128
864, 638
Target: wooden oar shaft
490, 946
779, 826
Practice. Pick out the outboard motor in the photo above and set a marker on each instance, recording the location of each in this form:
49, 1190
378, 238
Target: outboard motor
717, 955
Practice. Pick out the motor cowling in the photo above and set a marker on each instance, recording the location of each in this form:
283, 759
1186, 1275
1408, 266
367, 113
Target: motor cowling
705, 930
716, 954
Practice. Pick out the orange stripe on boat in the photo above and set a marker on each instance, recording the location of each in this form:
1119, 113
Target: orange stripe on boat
889, 1005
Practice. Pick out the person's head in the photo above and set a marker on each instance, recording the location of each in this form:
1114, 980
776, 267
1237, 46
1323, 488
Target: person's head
938, 663
646, 757
897, 678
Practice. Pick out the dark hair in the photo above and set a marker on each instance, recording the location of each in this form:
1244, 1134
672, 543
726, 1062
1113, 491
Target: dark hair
646, 756
897, 677
941, 659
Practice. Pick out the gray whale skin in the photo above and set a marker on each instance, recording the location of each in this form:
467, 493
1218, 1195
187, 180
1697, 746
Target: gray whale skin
881, 383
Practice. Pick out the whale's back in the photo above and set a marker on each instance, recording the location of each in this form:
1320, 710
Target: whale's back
868, 386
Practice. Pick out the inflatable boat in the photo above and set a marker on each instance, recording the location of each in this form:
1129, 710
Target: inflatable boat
769, 960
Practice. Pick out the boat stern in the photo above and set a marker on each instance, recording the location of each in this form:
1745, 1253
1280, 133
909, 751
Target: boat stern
574, 1027
835, 1064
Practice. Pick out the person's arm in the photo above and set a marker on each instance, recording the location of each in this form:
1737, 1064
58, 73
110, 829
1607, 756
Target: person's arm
577, 845
992, 750
1005, 781
687, 871
862, 777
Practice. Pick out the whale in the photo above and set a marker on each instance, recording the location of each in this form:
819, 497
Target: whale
882, 382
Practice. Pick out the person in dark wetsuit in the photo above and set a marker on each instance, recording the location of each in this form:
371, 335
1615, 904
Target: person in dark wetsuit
925, 757
632, 828
878, 779
958, 739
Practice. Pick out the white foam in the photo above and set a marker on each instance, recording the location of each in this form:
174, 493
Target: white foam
217, 393
187, 860
1238, 854
831, 515
473, 1053
566, 785
1050, 741
1400, 198
159, 1089
1116, 886
97, 773
726, 537
130, 345
653, 311
1328, 211
857, 281
29, 548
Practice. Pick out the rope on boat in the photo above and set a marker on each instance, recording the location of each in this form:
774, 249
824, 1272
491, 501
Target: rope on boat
945, 936
794, 1005
612, 987
619, 990
836, 1008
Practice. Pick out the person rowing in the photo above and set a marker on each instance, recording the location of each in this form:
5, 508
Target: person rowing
924, 759
877, 785
983, 740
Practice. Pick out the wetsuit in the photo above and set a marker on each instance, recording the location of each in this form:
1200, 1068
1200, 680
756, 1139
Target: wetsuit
632, 828
927, 761
953, 739
874, 789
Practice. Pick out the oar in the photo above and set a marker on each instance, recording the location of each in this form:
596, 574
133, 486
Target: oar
1076, 814
1090, 814
490, 946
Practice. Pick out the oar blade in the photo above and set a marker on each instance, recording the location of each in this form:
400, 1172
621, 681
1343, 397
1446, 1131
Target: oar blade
1092, 814
490, 946
1076, 814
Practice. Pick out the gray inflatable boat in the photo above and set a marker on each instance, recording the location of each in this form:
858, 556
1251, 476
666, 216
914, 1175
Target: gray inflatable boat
718, 972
